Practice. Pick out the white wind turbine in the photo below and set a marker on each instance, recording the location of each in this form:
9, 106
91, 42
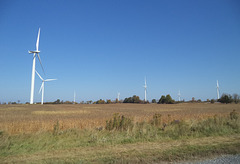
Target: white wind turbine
42, 86
145, 87
36, 52
118, 96
179, 96
217, 90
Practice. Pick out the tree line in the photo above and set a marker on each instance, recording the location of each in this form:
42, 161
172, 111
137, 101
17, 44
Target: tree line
225, 98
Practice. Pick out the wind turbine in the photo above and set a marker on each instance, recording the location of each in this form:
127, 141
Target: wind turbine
36, 52
217, 90
179, 96
42, 86
118, 96
145, 86
74, 97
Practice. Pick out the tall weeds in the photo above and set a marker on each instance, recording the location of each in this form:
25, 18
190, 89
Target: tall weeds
156, 128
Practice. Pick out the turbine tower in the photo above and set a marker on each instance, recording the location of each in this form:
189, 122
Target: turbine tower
74, 97
145, 87
36, 52
179, 96
42, 86
118, 96
217, 90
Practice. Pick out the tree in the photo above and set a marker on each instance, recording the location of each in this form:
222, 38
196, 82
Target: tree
134, 99
235, 98
193, 99
154, 101
100, 101
212, 101
109, 101
169, 99
57, 101
162, 100
166, 100
68, 102
89, 102
226, 98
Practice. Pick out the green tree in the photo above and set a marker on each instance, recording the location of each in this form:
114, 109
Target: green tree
57, 101
154, 101
134, 99
100, 101
169, 99
162, 100
226, 98
235, 98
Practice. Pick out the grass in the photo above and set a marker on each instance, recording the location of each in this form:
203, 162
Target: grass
123, 141
17, 119
140, 152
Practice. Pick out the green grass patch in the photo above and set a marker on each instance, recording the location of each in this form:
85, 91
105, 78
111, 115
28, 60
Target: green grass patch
197, 151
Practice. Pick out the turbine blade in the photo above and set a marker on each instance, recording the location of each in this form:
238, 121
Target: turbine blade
40, 63
50, 79
39, 76
37, 43
41, 87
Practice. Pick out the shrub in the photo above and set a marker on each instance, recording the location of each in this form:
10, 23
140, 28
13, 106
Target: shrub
119, 122
162, 100
56, 128
100, 101
134, 99
234, 115
212, 101
166, 100
154, 101
226, 98
157, 119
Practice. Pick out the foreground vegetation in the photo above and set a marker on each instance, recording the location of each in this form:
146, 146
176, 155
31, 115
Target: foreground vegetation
122, 140
28, 119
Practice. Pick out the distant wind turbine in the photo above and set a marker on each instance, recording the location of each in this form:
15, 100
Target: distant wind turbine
179, 96
74, 97
217, 90
145, 87
36, 52
42, 86
118, 96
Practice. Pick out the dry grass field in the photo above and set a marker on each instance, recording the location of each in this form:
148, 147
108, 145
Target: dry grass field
18, 119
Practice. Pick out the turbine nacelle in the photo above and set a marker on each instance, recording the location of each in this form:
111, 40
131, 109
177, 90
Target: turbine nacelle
31, 52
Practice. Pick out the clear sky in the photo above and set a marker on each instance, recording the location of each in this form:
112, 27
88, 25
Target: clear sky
99, 48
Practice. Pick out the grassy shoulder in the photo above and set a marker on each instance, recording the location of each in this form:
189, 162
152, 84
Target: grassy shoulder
140, 152
124, 141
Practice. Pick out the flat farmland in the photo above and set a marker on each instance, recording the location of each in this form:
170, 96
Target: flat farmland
18, 119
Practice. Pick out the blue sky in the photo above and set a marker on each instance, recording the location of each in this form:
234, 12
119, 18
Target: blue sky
99, 48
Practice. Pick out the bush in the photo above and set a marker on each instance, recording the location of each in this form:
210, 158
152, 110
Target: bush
212, 101
226, 98
234, 115
100, 101
119, 122
162, 100
166, 100
157, 120
134, 99
154, 101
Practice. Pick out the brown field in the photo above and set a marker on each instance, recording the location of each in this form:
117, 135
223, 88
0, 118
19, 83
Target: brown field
16, 119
